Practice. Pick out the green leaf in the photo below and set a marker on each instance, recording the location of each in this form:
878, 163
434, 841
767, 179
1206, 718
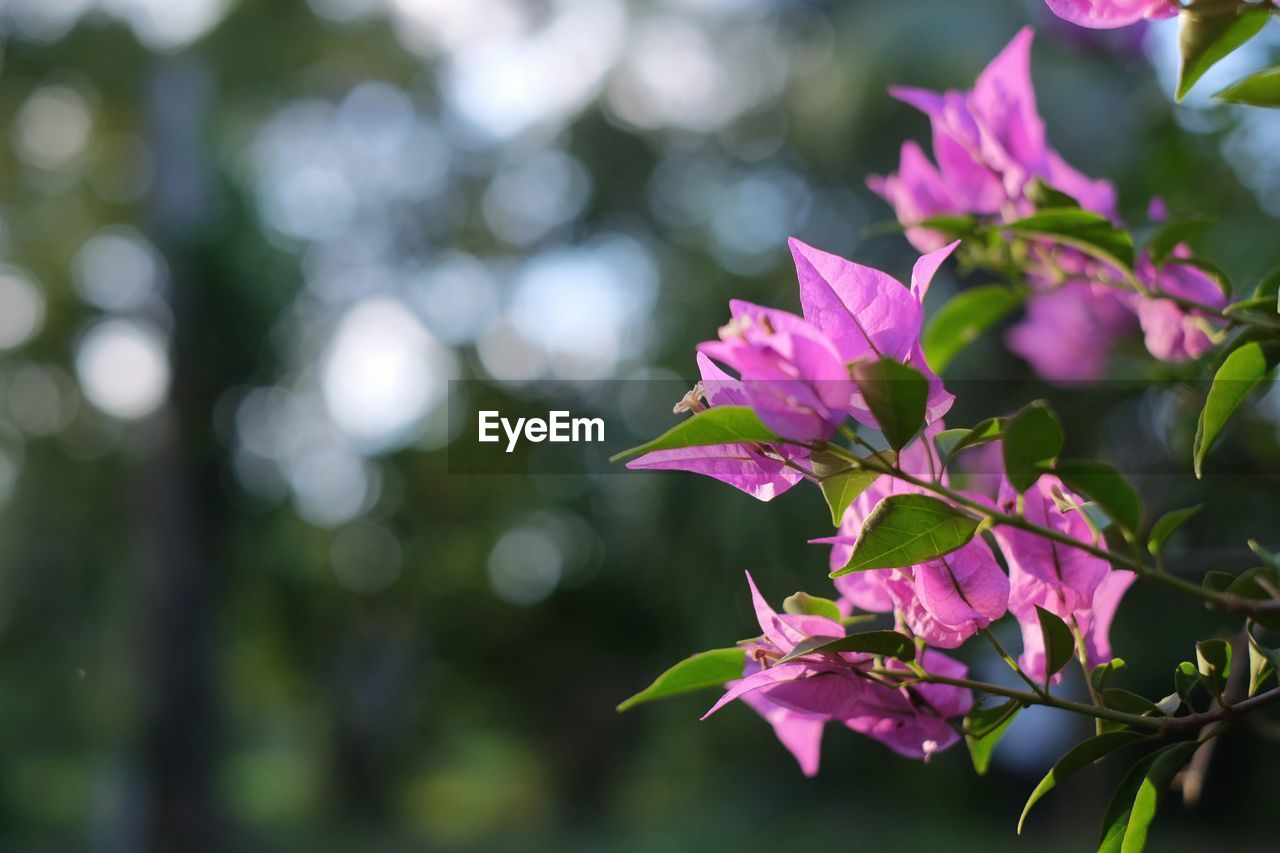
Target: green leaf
804, 604
952, 441
888, 644
956, 226
1119, 699
1059, 642
1167, 523
1151, 790
906, 530
1264, 304
1207, 36
1089, 232
1077, 758
705, 669
1254, 583
1263, 663
1099, 674
1268, 557
1032, 442
1103, 485
1173, 232
1185, 678
1044, 196
983, 729
1261, 89
1213, 660
1115, 820
717, 425
1269, 287
897, 395
958, 323
1239, 374
843, 488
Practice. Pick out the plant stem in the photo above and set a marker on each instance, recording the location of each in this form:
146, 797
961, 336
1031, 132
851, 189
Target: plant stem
1013, 664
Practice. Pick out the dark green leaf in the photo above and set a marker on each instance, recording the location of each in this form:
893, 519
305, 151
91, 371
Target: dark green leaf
804, 604
956, 226
1151, 790
1261, 89
1044, 196
1032, 441
1116, 818
896, 394
1172, 233
1270, 287
1059, 642
1103, 485
1213, 660
1119, 699
717, 425
1099, 674
952, 441
983, 729
1089, 232
705, 669
963, 319
1207, 36
1077, 758
1239, 374
1216, 581
888, 644
1185, 678
1167, 523
843, 488
1254, 583
906, 530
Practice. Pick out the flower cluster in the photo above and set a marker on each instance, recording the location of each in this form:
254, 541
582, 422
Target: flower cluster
991, 153
795, 374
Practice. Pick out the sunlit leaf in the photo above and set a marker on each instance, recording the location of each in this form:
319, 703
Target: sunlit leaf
906, 530
1239, 374
1091, 233
804, 604
1151, 790
1257, 90
984, 727
1077, 758
1213, 660
705, 669
959, 322
717, 425
1207, 36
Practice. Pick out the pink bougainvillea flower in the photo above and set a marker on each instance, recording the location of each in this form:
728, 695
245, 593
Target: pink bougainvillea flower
1107, 14
1092, 618
1071, 573
915, 724
1171, 331
868, 314
990, 145
760, 471
789, 371
798, 698
1067, 332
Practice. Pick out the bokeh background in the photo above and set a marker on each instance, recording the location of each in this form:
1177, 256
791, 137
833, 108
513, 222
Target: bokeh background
246, 245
